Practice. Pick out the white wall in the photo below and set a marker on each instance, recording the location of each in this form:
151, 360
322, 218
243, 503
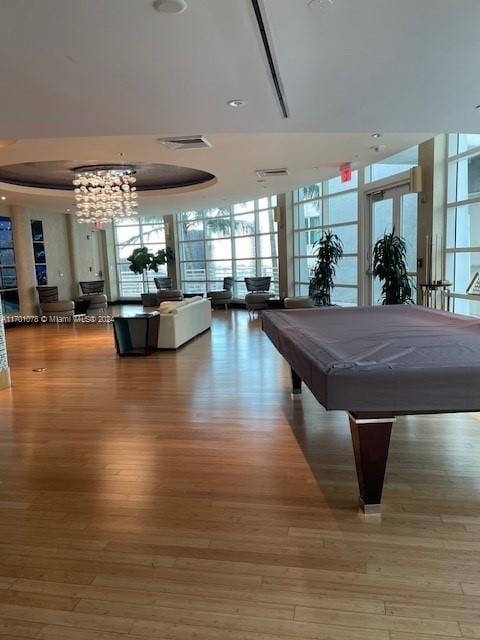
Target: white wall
87, 253
74, 252
57, 250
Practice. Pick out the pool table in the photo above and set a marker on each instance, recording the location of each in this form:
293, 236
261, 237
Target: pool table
377, 363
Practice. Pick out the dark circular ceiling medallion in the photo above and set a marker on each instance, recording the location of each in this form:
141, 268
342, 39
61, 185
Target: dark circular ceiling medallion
59, 174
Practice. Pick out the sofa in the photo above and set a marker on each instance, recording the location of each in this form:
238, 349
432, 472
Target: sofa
182, 321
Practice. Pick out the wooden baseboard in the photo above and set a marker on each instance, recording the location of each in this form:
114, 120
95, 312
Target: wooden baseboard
4, 378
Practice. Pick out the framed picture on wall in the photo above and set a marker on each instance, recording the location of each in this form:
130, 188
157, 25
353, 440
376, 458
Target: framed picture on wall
474, 286
41, 270
37, 231
39, 252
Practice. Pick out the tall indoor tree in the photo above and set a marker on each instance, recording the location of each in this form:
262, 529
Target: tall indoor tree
142, 260
328, 251
390, 267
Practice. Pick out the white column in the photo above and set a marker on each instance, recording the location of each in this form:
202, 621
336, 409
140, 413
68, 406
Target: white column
285, 245
173, 269
24, 260
432, 205
4, 369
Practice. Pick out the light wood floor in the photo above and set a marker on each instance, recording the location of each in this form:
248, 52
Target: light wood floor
186, 496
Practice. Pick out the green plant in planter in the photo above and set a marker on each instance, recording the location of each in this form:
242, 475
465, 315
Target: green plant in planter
142, 260
164, 256
328, 253
390, 267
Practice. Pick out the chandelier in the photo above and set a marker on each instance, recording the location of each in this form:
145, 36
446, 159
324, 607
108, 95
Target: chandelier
105, 192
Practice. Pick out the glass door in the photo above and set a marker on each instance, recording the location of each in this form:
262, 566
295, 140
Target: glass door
394, 208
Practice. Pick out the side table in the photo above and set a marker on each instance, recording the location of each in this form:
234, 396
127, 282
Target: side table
81, 307
429, 294
136, 335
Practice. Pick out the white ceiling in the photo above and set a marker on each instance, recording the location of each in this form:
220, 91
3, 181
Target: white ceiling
232, 159
123, 74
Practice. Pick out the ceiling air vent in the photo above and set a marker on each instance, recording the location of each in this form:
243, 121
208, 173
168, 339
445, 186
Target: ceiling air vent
186, 142
271, 173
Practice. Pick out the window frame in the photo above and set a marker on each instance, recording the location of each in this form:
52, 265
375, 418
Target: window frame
205, 283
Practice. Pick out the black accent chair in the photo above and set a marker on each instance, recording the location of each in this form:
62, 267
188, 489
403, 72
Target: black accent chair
165, 293
163, 283
258, 285
93, 293
92, 287
258, 293
222, 298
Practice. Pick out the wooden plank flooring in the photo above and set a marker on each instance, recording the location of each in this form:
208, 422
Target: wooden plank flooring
187, 496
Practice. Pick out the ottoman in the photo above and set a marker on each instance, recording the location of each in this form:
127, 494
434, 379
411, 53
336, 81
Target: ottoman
169, 295
257, 301
58, 309
97, 303
220, 298
298, 302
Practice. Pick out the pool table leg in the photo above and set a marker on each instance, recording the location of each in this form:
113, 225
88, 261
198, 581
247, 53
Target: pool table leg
370, 439
296, 382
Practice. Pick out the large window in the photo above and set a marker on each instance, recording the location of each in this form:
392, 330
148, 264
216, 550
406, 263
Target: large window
8, 271
328, 205
131, 233
238, 241
463, 218
393, 165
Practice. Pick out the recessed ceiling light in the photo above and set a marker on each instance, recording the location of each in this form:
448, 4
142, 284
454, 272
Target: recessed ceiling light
316, 168
378, 147
4, 197
376, 135
68, 210
237, 102
170, 6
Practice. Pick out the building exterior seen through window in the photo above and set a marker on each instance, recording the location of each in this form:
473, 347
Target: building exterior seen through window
8, 270
237, 241
130, 234
327, 205
462, 242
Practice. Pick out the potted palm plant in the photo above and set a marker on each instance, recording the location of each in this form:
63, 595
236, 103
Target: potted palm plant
328, 251
390, 267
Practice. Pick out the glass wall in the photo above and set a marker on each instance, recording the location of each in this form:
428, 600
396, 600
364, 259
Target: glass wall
130, 234
238, 241
392, 165
317, 208
463, 218
8, 270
